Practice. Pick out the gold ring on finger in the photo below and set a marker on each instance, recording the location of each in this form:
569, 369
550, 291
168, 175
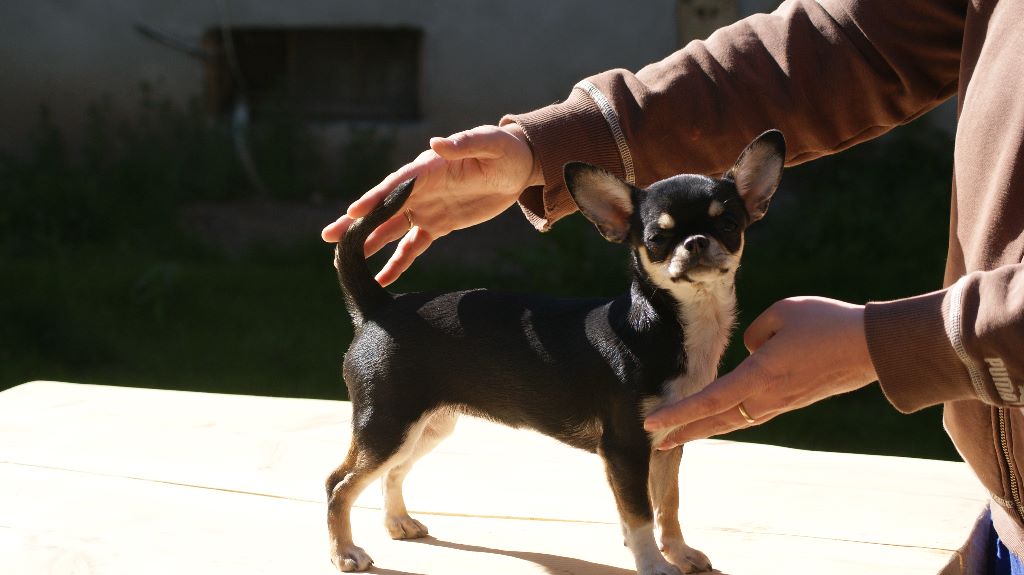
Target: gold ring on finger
743, 412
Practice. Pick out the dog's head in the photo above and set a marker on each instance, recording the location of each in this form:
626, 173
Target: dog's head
687, 229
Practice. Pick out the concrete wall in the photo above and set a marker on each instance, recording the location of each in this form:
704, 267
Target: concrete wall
481, 58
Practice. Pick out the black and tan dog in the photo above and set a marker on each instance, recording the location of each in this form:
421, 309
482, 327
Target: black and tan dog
585, 372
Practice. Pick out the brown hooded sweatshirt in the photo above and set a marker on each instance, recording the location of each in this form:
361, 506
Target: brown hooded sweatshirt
831, 74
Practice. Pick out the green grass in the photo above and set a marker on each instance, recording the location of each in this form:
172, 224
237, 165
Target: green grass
203, 323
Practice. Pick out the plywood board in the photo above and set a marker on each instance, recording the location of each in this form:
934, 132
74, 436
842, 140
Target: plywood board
98, 479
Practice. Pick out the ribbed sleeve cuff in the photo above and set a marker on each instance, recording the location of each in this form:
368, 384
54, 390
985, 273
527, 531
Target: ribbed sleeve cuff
916, 364
572, 131
1009, 530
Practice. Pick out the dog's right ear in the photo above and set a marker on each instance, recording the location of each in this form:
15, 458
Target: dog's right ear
604, 199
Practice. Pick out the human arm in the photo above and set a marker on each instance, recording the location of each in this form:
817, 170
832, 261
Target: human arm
829, 74
963, 342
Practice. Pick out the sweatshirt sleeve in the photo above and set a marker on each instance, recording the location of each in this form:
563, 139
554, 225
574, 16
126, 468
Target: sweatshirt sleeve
828, 73
964, 342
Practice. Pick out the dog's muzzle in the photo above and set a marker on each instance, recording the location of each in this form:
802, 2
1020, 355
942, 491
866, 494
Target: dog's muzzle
697, 259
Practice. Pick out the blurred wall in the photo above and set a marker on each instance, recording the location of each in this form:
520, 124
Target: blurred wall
480, 58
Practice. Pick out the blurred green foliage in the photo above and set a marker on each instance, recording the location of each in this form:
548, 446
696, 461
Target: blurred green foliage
126, 180
102, 285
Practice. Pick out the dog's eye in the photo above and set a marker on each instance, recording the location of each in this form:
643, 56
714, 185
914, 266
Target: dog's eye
657, 237
728, 224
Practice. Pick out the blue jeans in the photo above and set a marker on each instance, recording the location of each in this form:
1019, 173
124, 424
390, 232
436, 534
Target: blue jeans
1001, 561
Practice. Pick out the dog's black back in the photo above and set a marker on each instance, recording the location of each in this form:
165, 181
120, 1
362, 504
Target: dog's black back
563, 367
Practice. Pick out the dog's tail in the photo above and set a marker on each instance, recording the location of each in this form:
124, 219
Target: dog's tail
362, 292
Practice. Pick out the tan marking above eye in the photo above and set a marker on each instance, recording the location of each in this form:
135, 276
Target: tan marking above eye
666, 222
716, 208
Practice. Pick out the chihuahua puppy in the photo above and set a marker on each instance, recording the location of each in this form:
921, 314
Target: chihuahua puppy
585, 372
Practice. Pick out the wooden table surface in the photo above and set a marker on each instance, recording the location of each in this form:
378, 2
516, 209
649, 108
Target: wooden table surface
112, 480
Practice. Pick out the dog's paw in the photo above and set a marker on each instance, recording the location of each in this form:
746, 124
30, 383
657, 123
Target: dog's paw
658, 568
404, 527
687, 558
351, 558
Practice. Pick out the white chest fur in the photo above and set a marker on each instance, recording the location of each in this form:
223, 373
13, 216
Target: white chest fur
707, 312
707, 315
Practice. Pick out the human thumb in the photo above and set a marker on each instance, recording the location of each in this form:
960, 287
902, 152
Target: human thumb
484, 142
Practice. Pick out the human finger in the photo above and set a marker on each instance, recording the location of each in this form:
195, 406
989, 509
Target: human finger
720, 424
375, 195
424, 162
334, 231
720, 396
389, 231
412, 245
484, 142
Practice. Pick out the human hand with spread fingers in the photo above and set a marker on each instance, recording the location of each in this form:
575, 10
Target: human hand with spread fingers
802, 350
462, 180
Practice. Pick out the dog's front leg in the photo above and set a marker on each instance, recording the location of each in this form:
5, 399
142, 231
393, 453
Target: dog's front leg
664, 487
627, 470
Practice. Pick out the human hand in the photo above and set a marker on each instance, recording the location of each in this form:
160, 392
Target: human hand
802, 350
462, 180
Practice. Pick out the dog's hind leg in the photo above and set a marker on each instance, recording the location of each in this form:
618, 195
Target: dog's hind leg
372, 452
663, 483
396, 517
343, 487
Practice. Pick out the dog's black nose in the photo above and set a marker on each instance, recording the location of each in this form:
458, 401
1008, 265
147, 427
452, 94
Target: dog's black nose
696, 244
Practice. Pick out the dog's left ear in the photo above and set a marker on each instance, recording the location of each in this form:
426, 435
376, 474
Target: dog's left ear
758, 171
604, 199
